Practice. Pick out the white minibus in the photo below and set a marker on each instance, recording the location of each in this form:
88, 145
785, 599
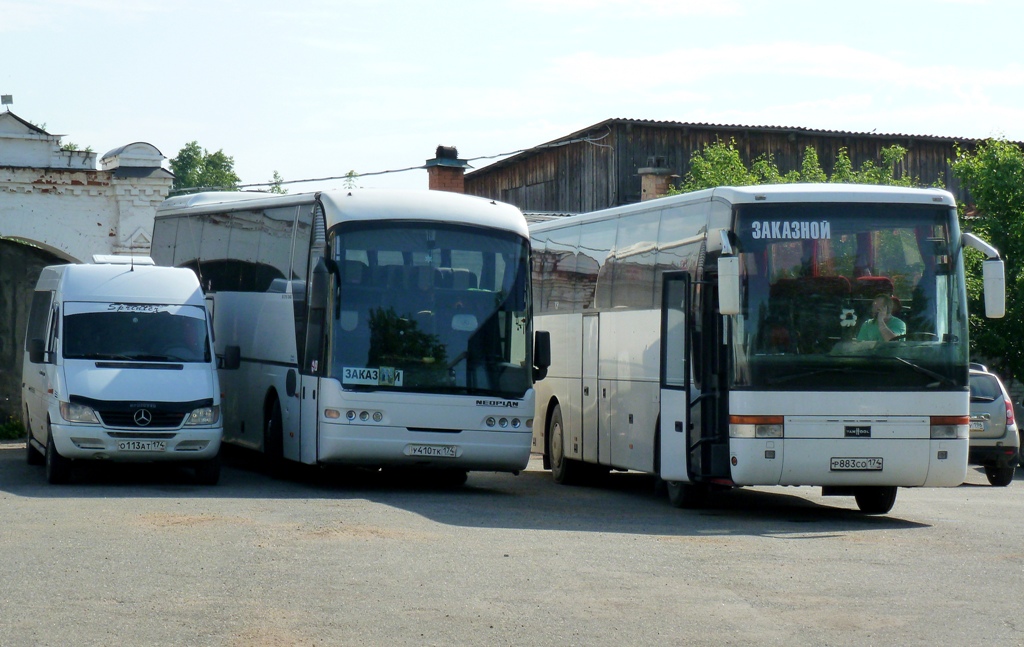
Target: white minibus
119, 366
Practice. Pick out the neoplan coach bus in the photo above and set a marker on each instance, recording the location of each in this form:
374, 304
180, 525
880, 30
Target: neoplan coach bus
718, 339
370, 328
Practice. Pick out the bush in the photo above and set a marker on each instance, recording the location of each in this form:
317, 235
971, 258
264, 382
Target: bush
12, 429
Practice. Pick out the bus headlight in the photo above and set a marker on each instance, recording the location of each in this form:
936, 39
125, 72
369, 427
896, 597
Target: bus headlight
756, 427
77, 413
950, 427
203, 416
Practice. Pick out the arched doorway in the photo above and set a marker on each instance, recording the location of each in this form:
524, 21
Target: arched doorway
20, 266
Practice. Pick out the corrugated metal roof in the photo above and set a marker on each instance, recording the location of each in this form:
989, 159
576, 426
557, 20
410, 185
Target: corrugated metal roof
796, 130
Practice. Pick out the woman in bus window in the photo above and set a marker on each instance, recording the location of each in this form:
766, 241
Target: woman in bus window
883, 326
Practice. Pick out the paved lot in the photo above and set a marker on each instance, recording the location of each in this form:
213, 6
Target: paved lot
142, 556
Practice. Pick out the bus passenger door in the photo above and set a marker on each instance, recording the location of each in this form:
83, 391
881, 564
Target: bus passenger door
675, 378
304, 445
593, 451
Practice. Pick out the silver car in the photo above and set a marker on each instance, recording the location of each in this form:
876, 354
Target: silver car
995, 441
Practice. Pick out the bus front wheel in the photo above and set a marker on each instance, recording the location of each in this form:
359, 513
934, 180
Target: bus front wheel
875, 499
273, 441
685, 495
564, 470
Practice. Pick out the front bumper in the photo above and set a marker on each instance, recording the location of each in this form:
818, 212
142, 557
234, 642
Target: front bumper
99, 443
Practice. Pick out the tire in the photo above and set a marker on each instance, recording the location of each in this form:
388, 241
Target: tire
685, 495
273, 442
208, 472
58, 468
32, 455
876, 499
564, 470
999, 476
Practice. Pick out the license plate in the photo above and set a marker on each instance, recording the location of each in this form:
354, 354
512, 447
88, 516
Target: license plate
141, 445
432, 451
855, 464
977, 425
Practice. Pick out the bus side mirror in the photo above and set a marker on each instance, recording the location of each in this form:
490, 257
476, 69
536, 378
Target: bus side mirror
232, 358
541, 354
729, 285
37, 351
994, 278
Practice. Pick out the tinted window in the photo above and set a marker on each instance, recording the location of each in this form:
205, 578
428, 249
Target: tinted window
985, 387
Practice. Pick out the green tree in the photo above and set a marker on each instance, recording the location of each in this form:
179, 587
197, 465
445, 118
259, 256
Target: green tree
720, 164
275, 184
196, 168
350, 180
994, 176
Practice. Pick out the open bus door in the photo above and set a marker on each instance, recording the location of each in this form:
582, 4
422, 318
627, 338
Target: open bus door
679, 450
674, 452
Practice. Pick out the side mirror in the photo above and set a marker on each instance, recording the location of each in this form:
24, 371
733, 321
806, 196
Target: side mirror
37, 351
729, 285
541, 354
994, 279
232, 358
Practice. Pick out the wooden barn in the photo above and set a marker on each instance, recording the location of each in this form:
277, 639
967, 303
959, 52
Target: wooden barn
621, 161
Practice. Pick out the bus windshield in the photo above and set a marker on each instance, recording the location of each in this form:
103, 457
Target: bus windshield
818, 277
135, 331
430, 307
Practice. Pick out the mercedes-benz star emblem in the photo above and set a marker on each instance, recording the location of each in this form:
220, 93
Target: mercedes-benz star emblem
143, 417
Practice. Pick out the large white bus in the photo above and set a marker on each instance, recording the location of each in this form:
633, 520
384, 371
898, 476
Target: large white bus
368, 328
711, 339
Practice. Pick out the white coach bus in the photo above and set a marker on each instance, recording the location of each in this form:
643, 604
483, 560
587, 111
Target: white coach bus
724, 338
370, 328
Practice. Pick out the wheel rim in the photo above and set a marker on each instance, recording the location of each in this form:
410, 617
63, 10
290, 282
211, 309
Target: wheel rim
556, 443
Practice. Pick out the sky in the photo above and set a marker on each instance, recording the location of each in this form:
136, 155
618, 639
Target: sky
314, 89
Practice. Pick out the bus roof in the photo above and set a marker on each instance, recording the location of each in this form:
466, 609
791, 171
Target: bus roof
768, 193
362, 204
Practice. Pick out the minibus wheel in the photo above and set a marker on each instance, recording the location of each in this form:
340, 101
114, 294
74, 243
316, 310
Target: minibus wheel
32, 455
58, 468
208, 472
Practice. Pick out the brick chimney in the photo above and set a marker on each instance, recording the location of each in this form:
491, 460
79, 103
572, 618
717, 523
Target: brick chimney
446, 172
655, 179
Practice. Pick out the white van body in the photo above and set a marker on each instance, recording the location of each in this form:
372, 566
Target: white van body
119, 366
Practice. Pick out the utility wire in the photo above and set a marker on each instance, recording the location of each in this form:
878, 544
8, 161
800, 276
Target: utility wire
594, 141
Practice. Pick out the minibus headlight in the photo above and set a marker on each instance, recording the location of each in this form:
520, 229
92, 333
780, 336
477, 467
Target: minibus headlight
203, 416
77, 413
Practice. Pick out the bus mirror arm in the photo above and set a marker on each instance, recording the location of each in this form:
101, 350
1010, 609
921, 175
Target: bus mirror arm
541, 354
993, 276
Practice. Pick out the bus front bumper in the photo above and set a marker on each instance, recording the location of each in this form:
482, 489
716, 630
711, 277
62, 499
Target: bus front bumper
383, 446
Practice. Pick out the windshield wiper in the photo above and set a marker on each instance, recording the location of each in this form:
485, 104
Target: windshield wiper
820, 371
926, 371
